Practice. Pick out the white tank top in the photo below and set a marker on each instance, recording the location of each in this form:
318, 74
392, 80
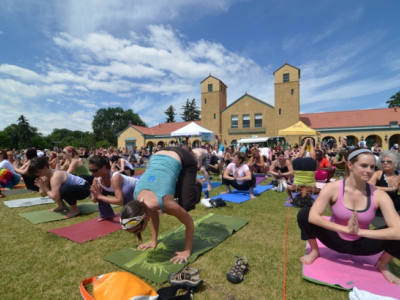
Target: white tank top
127, 180
73, 180
128, 164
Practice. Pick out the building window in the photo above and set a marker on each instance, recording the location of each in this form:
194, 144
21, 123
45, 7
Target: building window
234, 121
246, 121
210, 87
292, 91
214, 116
258, 120
286, 77
205, 101
280, 111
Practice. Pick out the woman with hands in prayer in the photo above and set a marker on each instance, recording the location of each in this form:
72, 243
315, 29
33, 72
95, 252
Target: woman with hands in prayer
353, 203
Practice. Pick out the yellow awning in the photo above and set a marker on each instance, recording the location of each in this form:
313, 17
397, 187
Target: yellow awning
299, 129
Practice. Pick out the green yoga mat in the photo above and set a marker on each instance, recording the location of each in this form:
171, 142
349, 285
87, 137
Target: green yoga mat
210, 230
43, 216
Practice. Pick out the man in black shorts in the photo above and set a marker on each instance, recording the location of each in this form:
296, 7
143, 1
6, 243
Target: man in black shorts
215, 165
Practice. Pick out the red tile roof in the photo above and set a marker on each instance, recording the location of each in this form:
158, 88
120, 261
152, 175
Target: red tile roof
352, 118
164, 128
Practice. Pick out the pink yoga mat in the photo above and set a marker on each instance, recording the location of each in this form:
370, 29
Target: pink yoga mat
88, 230
347, 271
260, 179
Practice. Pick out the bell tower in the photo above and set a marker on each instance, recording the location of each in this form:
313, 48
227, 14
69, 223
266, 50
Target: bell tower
287, 96
213, 100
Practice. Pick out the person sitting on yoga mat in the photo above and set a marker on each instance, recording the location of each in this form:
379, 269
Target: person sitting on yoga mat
281, 167
109, 183
353, 203
387, 178
8, 177
257, 163
304, 172
171, 175
324, 169
29, 180
121, 165
340, 161
75, 166
242, 178
59, 186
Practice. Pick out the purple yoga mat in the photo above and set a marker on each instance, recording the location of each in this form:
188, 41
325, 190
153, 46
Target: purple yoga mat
88, 230
259, 179
347, 271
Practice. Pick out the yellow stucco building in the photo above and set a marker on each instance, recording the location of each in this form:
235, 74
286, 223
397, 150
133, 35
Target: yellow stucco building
249, 116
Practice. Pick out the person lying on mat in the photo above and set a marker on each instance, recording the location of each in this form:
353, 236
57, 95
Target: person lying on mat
281, 167
257, 163
242, 178
108, 183
59, 186
387, 178
171, 175
353, 203
304, 172
74, 165
121, 165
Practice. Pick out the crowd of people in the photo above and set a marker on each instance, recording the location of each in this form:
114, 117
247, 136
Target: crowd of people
369, 186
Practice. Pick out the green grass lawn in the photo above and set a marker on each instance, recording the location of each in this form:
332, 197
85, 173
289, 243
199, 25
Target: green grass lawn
40, 265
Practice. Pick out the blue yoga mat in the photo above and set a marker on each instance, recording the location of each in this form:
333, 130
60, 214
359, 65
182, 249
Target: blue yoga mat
288, 204
213, 185
237, 196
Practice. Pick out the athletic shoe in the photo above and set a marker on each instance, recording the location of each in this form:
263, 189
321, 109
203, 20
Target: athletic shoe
235, 275
187, 277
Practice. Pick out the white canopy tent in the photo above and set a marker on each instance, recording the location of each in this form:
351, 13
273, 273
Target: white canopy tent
194, 129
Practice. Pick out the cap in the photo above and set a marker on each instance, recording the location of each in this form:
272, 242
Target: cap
345, 137
396, 146
343, 149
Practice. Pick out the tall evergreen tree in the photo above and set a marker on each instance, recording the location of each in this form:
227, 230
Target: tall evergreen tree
170, 112
195, 111
24, 132
186, 111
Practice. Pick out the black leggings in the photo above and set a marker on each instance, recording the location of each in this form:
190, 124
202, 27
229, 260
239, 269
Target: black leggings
304, 164
332, 240
246, 185
187, 190
72, 193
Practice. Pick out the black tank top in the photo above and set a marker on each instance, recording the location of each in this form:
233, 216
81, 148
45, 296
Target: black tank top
283, 170
382, 182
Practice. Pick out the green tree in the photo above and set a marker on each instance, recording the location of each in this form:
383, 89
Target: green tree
108, 122
24, 131
186, 111
170, 112
13, 133
394, 100
195, 111
190, 111
5, 140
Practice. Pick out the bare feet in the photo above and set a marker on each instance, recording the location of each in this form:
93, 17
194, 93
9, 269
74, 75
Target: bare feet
226, 192
71, 214
309, 258
252, 196
59, 208
387, 274
105, 218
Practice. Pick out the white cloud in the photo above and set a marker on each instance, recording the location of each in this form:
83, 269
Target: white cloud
112, 103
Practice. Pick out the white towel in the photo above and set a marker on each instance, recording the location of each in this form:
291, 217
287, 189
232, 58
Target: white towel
357, 294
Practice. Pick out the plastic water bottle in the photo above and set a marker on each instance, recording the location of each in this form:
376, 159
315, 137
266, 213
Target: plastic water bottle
206, 194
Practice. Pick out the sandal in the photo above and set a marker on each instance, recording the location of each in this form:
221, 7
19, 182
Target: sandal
188, 277
235, 275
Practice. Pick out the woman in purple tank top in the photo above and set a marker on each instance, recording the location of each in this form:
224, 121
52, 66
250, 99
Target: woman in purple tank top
353, 204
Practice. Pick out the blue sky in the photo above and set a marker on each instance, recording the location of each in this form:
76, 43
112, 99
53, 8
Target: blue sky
62, 60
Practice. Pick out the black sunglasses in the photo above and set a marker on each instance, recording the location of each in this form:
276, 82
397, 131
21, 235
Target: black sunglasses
93, 170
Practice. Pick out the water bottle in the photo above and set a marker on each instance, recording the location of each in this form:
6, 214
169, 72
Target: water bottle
206, 193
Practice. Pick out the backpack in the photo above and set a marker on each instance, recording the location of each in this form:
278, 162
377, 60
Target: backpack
126, 286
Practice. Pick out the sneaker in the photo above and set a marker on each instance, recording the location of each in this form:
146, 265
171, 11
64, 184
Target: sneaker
235, 275
188, 277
